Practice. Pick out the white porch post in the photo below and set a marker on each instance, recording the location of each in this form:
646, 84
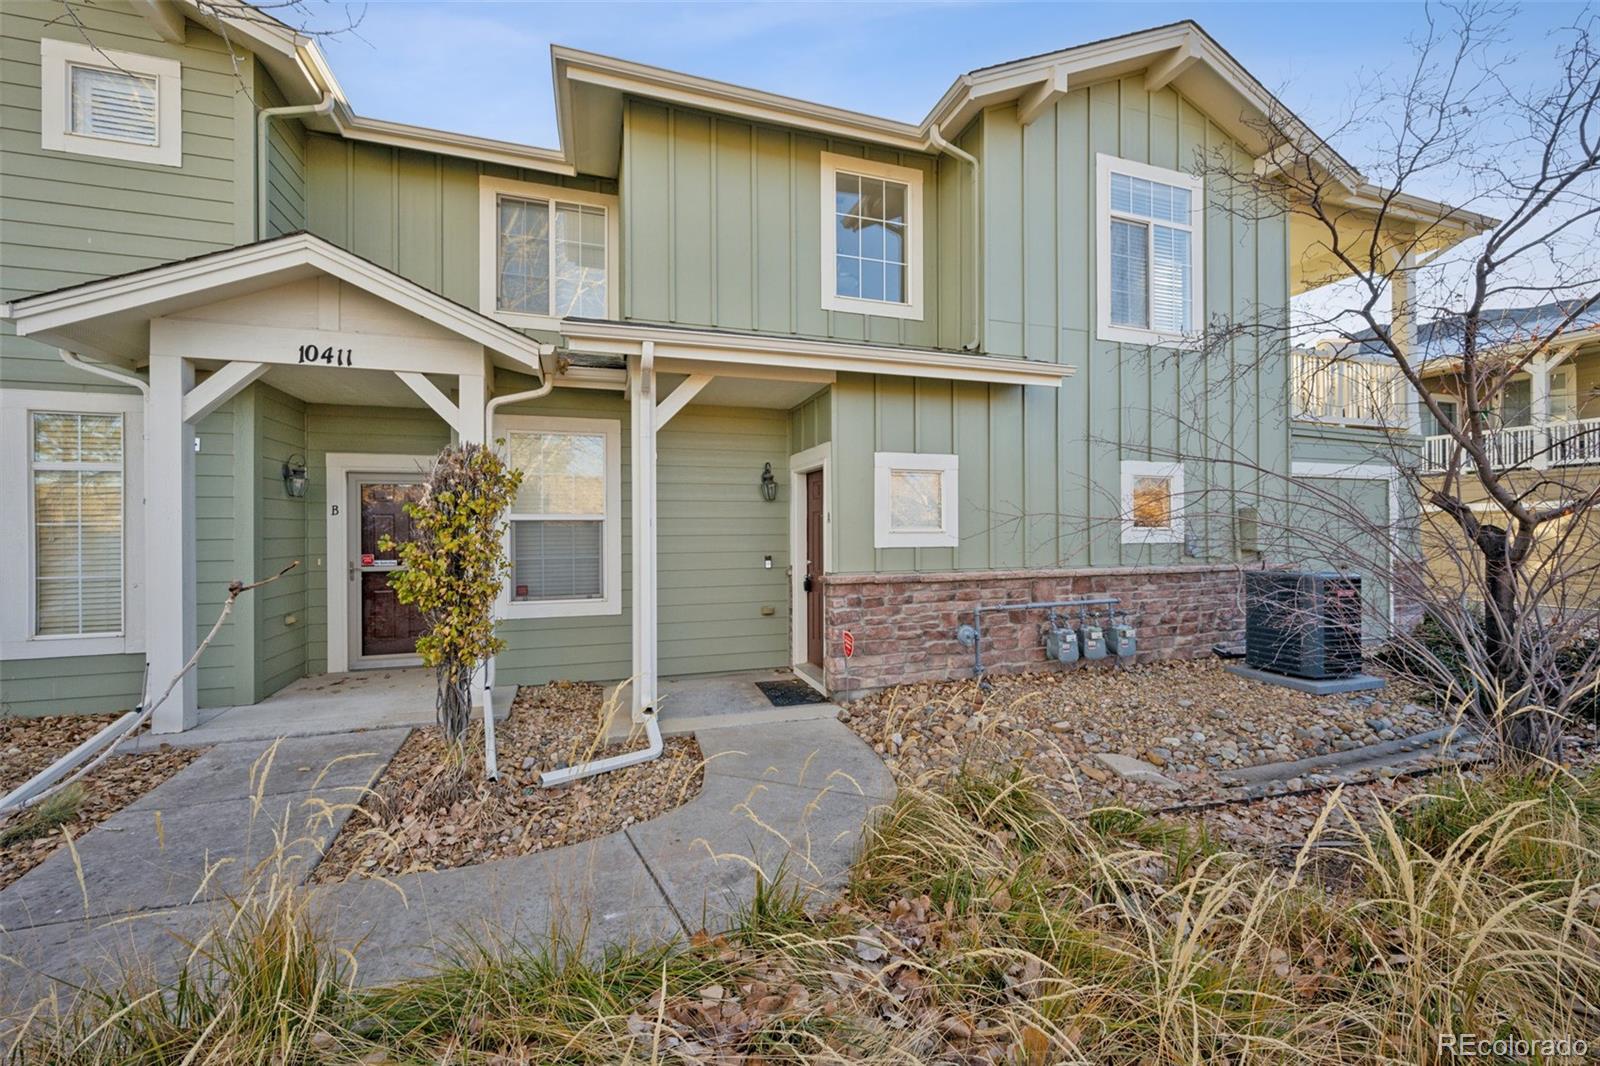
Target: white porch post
641, 395
471, 400
1403, 330
1539, 373
170, 635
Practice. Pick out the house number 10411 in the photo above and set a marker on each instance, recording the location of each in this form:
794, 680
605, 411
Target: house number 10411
310, 353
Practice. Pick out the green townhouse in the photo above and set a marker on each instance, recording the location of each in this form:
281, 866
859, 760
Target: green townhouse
774, 372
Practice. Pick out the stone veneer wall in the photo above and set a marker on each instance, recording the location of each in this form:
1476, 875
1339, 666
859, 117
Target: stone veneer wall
905, 624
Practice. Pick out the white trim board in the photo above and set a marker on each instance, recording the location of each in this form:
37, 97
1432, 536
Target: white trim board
337, 469
801, 464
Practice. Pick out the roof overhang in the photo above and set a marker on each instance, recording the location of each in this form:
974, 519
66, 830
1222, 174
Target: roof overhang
110, 318
731, 349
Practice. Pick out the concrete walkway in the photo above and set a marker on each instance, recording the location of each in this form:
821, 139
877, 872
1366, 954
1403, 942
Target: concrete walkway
157, 875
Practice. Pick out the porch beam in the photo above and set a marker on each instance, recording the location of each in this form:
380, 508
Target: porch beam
169, 564
219, 388
681, 396
1036, 100
1162, 72
430, 395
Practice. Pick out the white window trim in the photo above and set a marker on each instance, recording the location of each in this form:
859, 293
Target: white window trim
56, 60
1133, 469
489, 192
886, 463
832, 165
610, 600
17, 639
1106, 331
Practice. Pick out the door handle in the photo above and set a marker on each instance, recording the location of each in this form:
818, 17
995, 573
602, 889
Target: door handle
806, 584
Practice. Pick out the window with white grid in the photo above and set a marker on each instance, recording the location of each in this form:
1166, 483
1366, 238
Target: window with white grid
1149, 252
546, 253
76, 470
871, 237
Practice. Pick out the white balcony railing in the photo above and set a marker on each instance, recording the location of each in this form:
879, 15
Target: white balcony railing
1556, 444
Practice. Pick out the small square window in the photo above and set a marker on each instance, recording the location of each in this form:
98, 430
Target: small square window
121, 105
871, 237
1152, 503
915, 500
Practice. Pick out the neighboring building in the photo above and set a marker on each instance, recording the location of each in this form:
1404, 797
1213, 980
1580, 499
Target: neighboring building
241, 316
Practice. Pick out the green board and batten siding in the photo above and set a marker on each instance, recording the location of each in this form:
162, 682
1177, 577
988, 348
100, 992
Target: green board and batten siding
1039, 475
721, 227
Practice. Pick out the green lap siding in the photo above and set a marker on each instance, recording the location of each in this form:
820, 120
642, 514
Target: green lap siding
80, 684
714, 530
67, 218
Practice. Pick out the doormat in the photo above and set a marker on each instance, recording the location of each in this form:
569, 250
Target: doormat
790, 693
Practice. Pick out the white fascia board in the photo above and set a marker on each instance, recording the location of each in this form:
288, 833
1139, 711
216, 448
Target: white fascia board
722, 348
52, 312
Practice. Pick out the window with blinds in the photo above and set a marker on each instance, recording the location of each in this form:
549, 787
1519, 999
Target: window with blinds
558, 517
1152, 278
115, 104
77, 481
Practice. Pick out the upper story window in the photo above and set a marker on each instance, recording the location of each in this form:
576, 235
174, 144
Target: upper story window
1149, 267
121, 105
871, 237
546, 253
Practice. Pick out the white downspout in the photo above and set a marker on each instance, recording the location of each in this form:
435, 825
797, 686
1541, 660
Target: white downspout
121, 377
547, 382
937, 140
263, 117
644, 679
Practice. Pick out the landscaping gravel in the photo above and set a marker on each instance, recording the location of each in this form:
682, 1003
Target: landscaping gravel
401, 828
28, 745
1190, 719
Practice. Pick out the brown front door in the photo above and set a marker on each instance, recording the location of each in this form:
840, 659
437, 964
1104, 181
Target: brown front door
813, 582
387, 626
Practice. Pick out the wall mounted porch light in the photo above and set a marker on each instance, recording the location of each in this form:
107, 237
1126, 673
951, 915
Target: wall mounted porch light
769, 484
294, 476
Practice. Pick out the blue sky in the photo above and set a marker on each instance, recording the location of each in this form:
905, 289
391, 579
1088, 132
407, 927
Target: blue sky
484, 68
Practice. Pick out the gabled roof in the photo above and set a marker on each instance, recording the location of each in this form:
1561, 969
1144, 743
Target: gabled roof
107, 317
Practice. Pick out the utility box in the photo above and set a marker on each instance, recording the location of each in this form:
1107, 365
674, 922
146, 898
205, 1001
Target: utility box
1061, 644
1123, 638
1092, 641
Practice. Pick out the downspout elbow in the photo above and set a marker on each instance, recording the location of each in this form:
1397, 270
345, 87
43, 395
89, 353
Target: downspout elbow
938, 141
121, 377
264, 118
547, 382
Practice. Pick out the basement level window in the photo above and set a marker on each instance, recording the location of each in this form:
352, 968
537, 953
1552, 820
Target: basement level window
546, 253
565, 525
119, 105
1152, 503
1148, 252
914, 500
871, 237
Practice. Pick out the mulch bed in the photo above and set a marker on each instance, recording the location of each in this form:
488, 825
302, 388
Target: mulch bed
28, 745
401, 827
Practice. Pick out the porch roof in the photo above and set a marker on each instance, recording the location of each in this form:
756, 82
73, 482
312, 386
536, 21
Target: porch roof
109, 318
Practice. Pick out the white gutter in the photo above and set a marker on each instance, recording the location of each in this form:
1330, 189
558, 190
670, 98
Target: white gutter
121, 377
547, 383
266, 114
937, 140
651, 750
